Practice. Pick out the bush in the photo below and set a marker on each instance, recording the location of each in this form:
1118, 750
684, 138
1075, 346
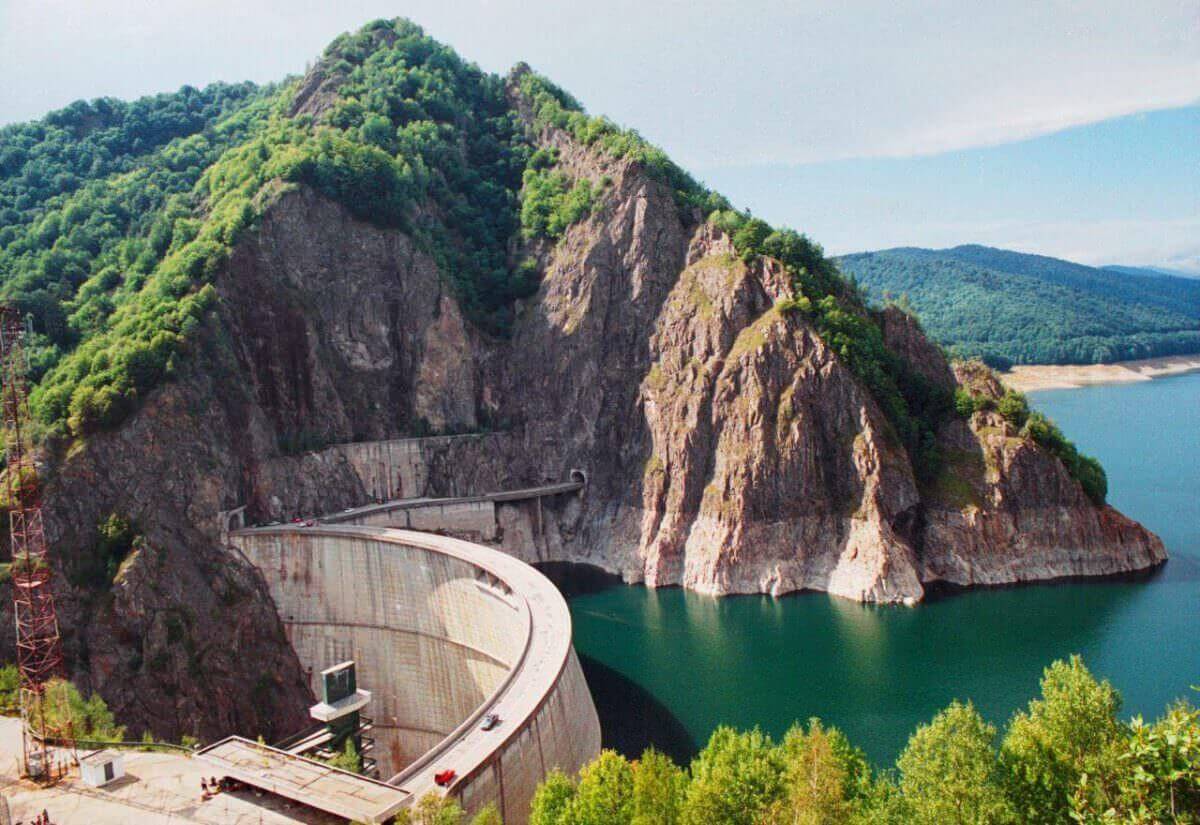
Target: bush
914, 407
10, 690
1014, 407
432, 809
964, 402
116, 536
1084, 469
348, 759
117, 274
550, 204
554, 108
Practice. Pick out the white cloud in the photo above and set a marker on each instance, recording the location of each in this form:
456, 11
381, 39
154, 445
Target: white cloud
715, 82
1167, 243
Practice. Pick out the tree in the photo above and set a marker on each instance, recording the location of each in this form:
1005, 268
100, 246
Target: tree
658, 789
90, 718
1152, 775
377, 130
1067, 733
735, 779
881, 803
816, 779
948, 771
552, 801
604, 795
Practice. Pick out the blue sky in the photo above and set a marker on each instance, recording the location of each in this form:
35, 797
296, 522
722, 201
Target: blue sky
1059, 126
1121, 190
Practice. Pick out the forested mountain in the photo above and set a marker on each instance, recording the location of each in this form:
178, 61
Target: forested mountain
94, 195
1011, 307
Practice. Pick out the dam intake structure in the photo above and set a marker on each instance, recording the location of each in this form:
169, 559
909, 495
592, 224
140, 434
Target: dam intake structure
445, 632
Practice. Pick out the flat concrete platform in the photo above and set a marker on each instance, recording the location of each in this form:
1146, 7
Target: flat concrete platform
304, 780
157, 789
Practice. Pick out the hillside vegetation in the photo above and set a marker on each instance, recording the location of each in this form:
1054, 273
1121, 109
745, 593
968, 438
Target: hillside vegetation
120, 216
1013, 308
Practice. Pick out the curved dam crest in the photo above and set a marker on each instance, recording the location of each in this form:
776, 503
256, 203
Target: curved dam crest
443, 631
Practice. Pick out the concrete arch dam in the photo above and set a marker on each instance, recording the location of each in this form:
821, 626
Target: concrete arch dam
444, 631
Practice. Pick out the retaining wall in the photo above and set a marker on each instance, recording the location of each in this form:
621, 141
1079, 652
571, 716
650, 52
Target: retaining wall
474, 519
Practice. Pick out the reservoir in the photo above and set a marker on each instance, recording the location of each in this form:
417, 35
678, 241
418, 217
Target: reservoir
668, 666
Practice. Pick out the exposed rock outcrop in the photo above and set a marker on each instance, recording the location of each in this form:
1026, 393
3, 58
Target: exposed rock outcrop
326, 327
1008, 511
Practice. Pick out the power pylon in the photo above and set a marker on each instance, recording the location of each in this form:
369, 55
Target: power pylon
39, 647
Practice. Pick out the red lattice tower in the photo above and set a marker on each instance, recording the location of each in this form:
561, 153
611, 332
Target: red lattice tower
39, 648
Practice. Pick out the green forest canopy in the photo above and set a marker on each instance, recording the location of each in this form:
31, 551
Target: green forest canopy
1009, 307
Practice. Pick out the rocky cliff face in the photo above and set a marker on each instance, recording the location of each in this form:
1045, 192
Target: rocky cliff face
769, 470
728, 448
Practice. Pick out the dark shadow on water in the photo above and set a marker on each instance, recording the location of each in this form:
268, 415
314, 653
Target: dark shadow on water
574, 579
940, 590
631, 719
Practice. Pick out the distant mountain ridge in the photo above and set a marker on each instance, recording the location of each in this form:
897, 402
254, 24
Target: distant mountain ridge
1153, 271
1012, 307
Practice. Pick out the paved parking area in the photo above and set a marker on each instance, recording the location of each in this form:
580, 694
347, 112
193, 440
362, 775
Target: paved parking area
158, 788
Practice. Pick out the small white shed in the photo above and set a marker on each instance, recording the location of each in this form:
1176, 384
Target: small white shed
101, 767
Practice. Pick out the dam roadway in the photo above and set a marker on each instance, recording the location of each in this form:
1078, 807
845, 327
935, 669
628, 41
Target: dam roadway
444, 631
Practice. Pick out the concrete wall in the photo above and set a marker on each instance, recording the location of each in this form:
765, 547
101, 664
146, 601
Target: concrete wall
401, 468
443, 631
390, 469
467, 519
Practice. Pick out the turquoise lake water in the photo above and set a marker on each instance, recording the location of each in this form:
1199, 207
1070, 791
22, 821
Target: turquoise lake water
667, 666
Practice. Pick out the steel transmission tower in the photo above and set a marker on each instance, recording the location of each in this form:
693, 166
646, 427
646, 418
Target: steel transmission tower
39, 647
